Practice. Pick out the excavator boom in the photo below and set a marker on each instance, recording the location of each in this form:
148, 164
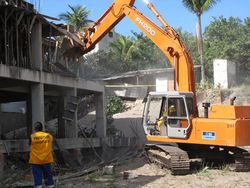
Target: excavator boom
166, 39
105, 23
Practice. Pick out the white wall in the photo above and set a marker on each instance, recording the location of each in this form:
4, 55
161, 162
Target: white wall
224, 73
161, 84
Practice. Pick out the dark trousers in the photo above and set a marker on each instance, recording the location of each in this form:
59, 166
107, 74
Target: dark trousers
42, 170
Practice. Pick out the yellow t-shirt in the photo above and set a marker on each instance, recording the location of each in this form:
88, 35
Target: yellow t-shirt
41, 148
160, 122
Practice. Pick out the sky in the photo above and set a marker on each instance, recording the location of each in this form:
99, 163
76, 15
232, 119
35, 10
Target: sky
173, 12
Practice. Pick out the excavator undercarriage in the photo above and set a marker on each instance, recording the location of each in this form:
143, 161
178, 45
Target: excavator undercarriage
171, 157
183, 158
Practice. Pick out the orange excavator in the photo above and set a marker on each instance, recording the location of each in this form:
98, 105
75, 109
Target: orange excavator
183, 136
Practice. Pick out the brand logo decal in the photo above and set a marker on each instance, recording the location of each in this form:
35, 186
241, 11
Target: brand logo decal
208, 136
145, 26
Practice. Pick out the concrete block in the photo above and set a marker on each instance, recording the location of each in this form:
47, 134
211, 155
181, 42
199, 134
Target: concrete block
108, 170
224, 73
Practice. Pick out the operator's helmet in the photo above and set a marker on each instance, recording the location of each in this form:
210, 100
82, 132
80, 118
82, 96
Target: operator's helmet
171, 109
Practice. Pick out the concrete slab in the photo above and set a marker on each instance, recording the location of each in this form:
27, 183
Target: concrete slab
34, 76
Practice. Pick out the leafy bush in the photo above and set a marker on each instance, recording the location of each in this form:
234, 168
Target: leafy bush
114, 105
200, 87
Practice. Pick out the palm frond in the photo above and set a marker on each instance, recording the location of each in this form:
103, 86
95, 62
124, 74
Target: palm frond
208, 4
199, 6
189, 5
77, 16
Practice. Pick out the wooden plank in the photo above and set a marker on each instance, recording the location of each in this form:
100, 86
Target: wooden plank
5, 37
4, 2
12, 2
20, 18
17, 37
32, 23
1, 18
29, 43
17, 41
10, 14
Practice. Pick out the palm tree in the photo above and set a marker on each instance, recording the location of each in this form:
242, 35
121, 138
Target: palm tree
78, 17
123, 50
199, 7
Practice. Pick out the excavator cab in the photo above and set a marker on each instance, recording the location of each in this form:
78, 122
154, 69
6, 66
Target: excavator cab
169, 114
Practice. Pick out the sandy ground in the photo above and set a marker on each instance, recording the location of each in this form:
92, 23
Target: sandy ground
152, 176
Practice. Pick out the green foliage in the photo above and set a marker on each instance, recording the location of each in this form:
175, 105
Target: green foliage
78, 17
205, 172
190, 43
126, 54
199, 6
94, 178
134, 53
228, 39
114, 105
148, 54
204, 86
122, 51
99, 64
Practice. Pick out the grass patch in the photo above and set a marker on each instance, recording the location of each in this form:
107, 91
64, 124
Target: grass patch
94, 178
225, 168
205, 172
105, 180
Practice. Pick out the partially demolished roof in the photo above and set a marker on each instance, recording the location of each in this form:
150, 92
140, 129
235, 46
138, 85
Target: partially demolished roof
49, 28
138, 73
142, 73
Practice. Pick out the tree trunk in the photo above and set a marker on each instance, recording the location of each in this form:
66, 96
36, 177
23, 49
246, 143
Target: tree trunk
200, 46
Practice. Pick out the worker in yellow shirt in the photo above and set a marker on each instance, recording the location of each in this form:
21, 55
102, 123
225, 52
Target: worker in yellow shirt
41, 156
162, 121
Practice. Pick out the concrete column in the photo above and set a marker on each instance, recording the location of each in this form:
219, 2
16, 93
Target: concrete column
100, 115
71, 129
61, 121
29, 114
36, 46
2, 164
37, 103
1, 131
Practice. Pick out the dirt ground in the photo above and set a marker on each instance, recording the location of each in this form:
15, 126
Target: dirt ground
152, 176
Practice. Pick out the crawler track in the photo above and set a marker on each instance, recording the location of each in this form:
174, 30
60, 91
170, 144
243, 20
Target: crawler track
178, 160
241, 160
171, 157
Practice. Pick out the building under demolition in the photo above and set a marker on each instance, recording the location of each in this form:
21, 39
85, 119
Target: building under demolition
34, 73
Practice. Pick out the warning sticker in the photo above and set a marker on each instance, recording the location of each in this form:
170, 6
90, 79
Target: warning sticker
208, 135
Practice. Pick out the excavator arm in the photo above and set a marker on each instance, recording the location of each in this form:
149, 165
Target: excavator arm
105, 23
165, 38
